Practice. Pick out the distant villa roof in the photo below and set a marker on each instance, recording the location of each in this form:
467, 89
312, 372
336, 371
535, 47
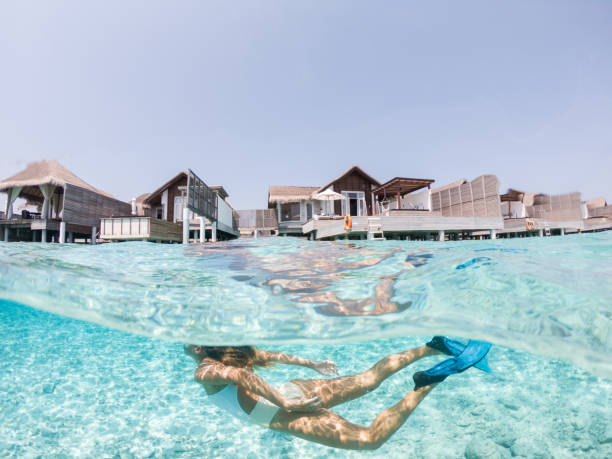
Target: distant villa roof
140, 205
142, 197
160, 190
223, 194
596, 203
354, 168
47, 172
285, 194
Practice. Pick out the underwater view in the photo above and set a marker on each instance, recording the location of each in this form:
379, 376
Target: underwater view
93, 361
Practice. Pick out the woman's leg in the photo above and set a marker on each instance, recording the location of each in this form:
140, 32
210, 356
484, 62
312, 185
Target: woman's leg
339, 390
328, 428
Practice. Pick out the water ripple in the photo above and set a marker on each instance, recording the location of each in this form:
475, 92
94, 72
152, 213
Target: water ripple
549, 296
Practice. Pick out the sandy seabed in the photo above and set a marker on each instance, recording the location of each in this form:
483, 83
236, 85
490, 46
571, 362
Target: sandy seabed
75, 389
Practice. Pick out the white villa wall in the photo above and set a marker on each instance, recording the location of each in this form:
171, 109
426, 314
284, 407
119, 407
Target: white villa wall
327, 207
414, 201
517, 210
417, 201
164, 203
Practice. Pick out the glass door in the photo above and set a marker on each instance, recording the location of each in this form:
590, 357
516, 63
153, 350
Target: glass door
354, 203
178, 208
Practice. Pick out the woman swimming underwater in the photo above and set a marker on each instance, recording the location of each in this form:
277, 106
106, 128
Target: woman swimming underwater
302, 407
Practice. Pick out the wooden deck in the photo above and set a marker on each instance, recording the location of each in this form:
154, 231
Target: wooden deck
595, 224
17, 222
519, 225
404, 224
36, 224
140, 228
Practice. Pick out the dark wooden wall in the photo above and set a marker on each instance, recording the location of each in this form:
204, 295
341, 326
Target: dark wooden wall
173, 191
353, 182
85, 207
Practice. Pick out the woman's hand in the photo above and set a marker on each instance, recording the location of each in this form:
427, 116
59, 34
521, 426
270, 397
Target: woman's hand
303, 404
326, 367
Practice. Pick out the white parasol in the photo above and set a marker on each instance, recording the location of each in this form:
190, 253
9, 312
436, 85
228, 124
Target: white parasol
328, 195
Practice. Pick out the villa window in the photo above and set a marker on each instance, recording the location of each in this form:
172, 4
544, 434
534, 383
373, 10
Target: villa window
290, 212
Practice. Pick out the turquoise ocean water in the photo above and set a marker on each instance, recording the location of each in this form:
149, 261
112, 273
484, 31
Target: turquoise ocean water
116, 383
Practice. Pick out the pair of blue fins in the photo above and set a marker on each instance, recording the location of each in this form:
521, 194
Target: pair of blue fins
464, 356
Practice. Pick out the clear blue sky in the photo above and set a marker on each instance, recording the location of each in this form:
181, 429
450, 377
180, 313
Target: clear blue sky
251, 94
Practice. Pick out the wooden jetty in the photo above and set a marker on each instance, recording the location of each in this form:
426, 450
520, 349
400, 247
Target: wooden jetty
403, 227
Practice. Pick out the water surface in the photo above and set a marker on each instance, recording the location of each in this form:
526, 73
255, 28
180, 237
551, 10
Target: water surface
549, 296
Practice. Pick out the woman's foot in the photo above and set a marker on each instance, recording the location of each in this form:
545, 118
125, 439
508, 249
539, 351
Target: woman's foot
439, 343
474, 353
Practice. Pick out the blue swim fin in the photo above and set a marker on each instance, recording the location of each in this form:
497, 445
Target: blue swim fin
474, 353
455, 348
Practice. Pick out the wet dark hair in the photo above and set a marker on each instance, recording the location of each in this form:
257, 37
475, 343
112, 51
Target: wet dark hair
235, 356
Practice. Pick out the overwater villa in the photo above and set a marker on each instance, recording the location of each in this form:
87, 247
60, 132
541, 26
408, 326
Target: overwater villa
66, 208
528, 213
61, 207
160, 216
596, 215
296, 205
399, 208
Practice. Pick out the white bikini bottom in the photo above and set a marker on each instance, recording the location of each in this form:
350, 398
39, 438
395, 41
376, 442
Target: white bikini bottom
265, 410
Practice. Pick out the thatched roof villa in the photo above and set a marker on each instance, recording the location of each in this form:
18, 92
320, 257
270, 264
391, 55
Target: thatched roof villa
66, 205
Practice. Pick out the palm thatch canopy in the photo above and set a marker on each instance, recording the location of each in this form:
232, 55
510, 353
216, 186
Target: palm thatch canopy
43, 173
284, 194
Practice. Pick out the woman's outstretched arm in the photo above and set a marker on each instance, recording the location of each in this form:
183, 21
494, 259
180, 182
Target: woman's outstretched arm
221, 374
326, 367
